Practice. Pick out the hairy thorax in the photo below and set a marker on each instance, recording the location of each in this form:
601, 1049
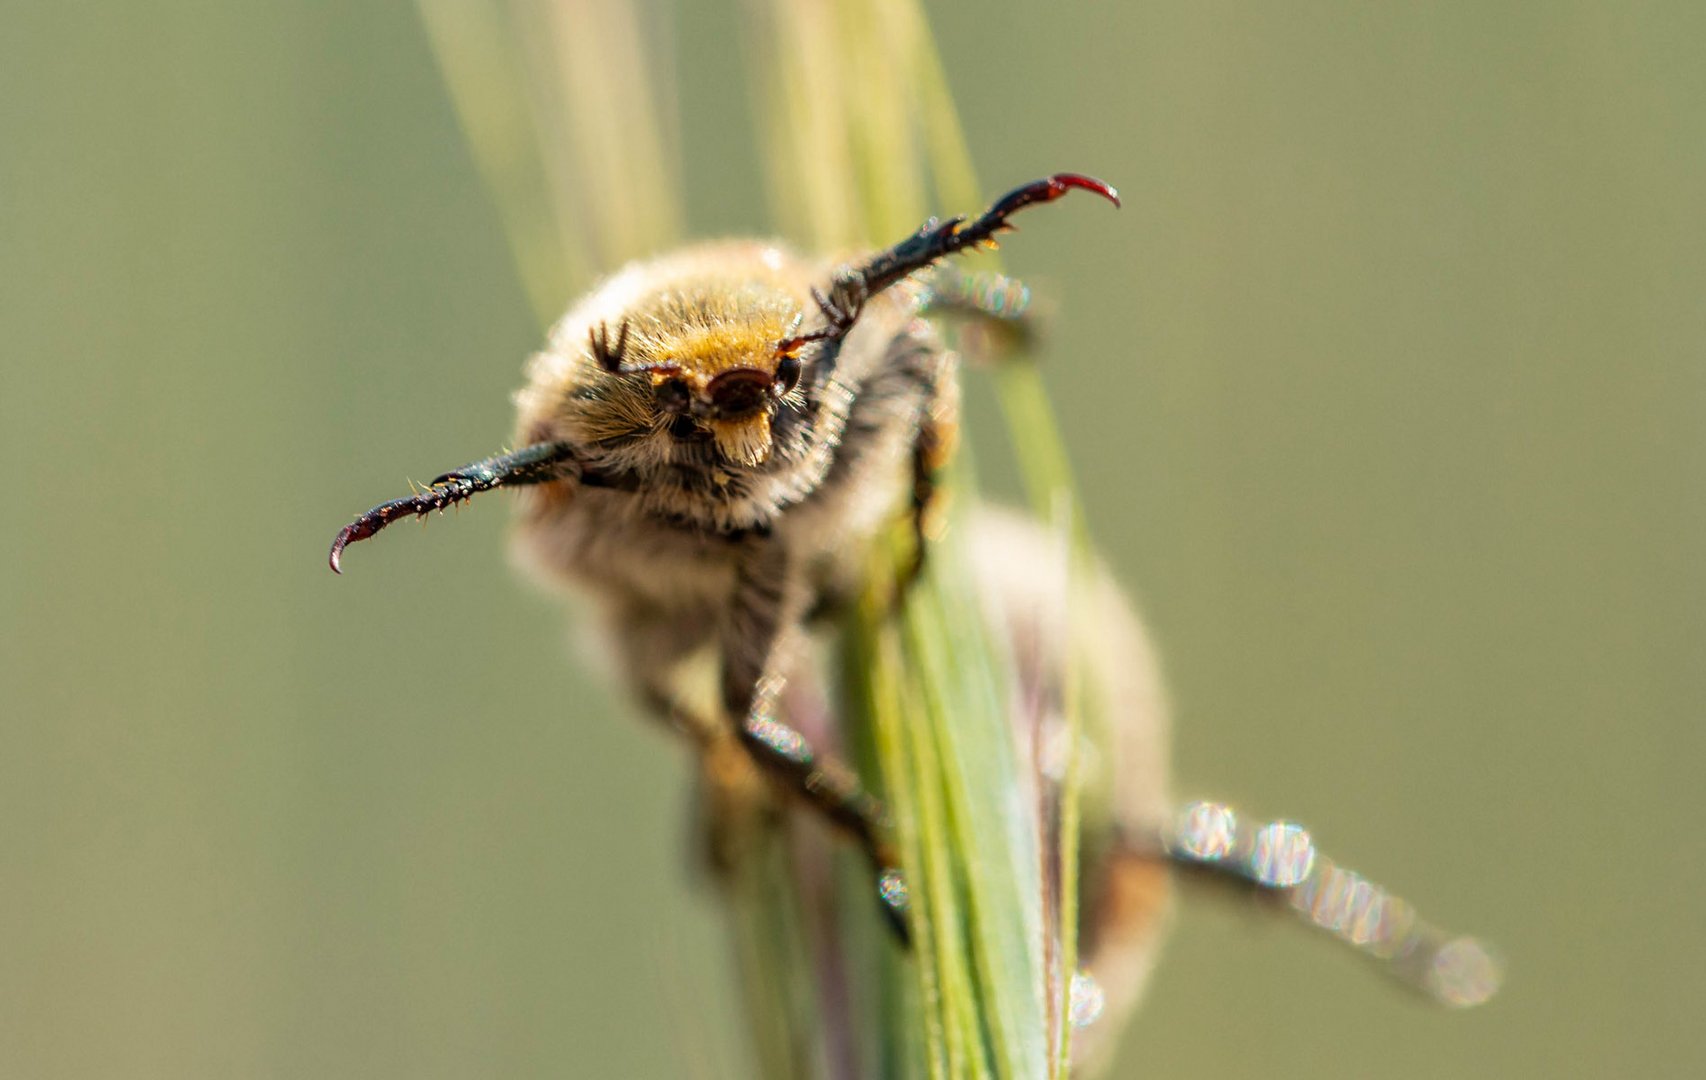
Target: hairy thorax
668, 502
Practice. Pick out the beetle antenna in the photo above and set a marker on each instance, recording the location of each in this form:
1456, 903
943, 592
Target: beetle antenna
609, 354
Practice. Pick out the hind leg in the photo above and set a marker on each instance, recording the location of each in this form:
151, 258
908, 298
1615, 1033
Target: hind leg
995, 316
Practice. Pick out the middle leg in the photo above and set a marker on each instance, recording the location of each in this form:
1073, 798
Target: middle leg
760, 630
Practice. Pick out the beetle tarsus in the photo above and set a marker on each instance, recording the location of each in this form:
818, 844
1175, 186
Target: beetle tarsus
935, 240
536, 464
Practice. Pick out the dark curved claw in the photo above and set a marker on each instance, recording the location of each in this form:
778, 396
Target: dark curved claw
433, 498
1049, 189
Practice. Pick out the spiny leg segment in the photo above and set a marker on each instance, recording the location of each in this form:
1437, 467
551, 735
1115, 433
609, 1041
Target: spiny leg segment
537, 464
781, 754
935, 240
833, 790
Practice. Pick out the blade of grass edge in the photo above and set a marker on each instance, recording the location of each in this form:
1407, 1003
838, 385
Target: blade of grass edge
1046, 470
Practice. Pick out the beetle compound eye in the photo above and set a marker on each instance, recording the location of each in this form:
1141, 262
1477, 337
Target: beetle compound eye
787, 375
673, 395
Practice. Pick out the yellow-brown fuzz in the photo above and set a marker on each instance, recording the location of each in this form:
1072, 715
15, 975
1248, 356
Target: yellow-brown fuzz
744, 442
704, 352
701, 352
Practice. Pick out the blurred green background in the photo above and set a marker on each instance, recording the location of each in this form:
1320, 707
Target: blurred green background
1387, 391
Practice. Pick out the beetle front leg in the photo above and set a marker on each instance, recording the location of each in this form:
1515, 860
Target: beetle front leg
537, 464
852, 286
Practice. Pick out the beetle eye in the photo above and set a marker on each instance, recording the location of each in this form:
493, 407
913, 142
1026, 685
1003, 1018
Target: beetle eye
673, 395
787, 375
